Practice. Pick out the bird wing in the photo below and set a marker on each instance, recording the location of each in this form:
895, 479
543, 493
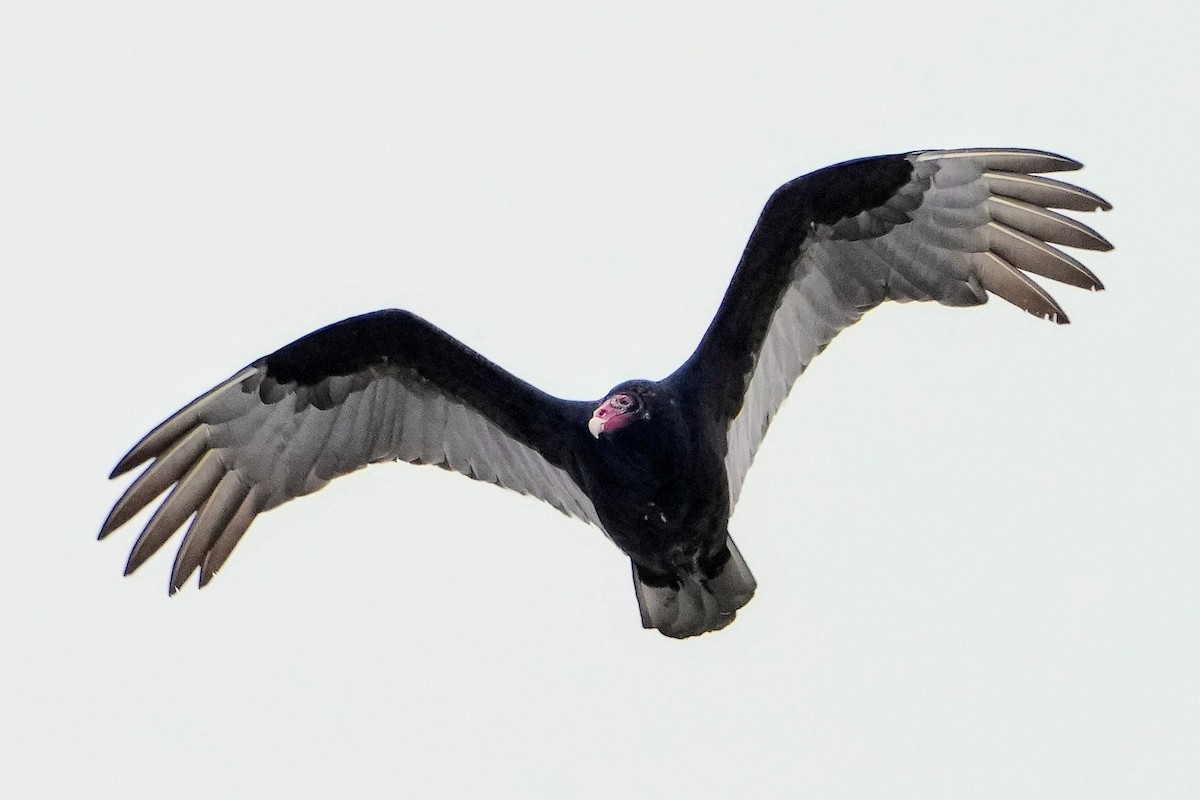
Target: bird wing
944, 225
378, 387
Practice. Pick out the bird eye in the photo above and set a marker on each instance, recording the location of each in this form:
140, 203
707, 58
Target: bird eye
622, 402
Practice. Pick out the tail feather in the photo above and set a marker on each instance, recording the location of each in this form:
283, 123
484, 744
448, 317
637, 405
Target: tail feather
698, 604
733, 585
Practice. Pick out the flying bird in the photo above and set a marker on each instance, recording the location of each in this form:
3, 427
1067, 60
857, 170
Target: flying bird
656, 465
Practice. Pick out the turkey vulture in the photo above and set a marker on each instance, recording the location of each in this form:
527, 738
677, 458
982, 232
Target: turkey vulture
656, 465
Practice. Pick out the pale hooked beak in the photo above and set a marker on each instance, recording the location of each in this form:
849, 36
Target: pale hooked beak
609, 417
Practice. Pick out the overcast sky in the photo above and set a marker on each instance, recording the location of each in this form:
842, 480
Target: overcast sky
973, 531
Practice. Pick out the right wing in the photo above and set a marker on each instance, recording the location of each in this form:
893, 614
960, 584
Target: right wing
945, 225
378, 387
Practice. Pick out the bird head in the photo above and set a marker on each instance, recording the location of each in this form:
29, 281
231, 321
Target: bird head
626, 404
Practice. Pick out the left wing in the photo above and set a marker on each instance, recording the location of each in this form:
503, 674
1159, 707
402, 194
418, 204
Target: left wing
378, 387
944, 225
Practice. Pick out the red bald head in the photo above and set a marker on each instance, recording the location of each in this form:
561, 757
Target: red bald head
617, 411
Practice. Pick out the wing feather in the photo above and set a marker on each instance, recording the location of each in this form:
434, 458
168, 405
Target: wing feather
434, 433
1004, 280
1046, 192
1044, 224
230, 535
411, 449
1008, 159
214, 516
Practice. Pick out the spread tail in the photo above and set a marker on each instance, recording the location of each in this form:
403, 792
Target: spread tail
698, 603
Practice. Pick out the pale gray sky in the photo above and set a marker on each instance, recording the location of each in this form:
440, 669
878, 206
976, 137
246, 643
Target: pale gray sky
972, 530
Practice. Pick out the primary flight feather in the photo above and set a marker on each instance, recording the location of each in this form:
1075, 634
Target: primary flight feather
656, 465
